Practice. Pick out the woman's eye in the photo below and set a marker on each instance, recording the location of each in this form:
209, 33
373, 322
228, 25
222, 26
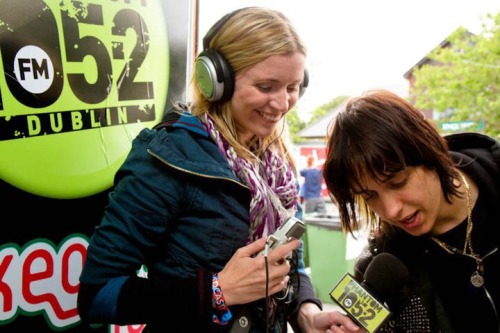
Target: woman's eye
398, 180
264, 88
367, 195
398, 184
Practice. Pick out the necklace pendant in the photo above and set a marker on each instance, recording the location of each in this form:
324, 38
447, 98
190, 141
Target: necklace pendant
477, 279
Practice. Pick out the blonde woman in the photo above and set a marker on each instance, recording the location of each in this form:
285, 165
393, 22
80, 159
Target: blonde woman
199, 195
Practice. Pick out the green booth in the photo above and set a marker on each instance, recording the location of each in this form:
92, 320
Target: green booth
325, 251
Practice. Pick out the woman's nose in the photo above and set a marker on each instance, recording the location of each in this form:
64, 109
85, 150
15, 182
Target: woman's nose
391, 206
281, 100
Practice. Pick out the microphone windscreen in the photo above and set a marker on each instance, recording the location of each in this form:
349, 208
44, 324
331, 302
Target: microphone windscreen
362, 262
386, 275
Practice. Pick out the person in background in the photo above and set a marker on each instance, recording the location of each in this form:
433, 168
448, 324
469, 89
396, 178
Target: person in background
429, 200
312, 187
200, 193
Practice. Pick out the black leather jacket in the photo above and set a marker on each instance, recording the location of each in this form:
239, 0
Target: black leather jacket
439, 296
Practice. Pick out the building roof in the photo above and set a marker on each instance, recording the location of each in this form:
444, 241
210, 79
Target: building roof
320, 128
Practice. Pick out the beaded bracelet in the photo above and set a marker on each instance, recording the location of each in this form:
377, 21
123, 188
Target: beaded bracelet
220, 303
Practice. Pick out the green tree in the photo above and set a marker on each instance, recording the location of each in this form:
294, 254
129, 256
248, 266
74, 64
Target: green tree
294, 124
321, 110
464, 79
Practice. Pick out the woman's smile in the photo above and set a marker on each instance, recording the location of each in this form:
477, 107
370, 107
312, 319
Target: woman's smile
272, 117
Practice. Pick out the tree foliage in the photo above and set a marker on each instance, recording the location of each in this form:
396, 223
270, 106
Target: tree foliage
294, 124
326, 108
464, 78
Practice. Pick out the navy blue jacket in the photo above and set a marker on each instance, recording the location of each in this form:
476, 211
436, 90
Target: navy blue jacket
178, 209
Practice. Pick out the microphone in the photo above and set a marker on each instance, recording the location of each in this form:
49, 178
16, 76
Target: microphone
364, 302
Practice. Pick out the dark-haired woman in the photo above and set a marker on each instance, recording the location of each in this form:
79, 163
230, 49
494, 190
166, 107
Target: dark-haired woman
431, 201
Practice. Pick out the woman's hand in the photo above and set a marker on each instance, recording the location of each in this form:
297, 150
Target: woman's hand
243, 279
312, 320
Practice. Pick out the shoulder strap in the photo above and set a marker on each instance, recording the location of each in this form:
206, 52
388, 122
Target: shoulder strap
168, 120
171, 115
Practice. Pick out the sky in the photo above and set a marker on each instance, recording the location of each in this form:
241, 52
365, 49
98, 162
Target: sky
357, 45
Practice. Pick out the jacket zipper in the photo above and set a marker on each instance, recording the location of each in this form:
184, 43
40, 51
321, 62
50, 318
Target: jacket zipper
194, 173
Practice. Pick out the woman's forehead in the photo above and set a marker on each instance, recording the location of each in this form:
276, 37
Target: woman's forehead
367, 177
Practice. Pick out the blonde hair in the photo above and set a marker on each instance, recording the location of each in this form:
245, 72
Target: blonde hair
250, 36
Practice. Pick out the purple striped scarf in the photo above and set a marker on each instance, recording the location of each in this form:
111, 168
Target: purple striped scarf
271, 181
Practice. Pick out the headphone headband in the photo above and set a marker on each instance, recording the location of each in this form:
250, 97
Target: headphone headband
216, 27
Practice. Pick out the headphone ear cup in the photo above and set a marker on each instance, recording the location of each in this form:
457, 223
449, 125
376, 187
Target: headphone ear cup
214, 75
304, 84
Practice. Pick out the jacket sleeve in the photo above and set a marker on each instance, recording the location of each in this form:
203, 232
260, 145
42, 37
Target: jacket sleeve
177, 300
136, 216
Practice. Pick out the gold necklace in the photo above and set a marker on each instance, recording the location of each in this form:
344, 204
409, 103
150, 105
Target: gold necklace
476, 278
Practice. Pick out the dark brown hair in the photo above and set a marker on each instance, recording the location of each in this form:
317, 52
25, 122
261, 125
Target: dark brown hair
379, 134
